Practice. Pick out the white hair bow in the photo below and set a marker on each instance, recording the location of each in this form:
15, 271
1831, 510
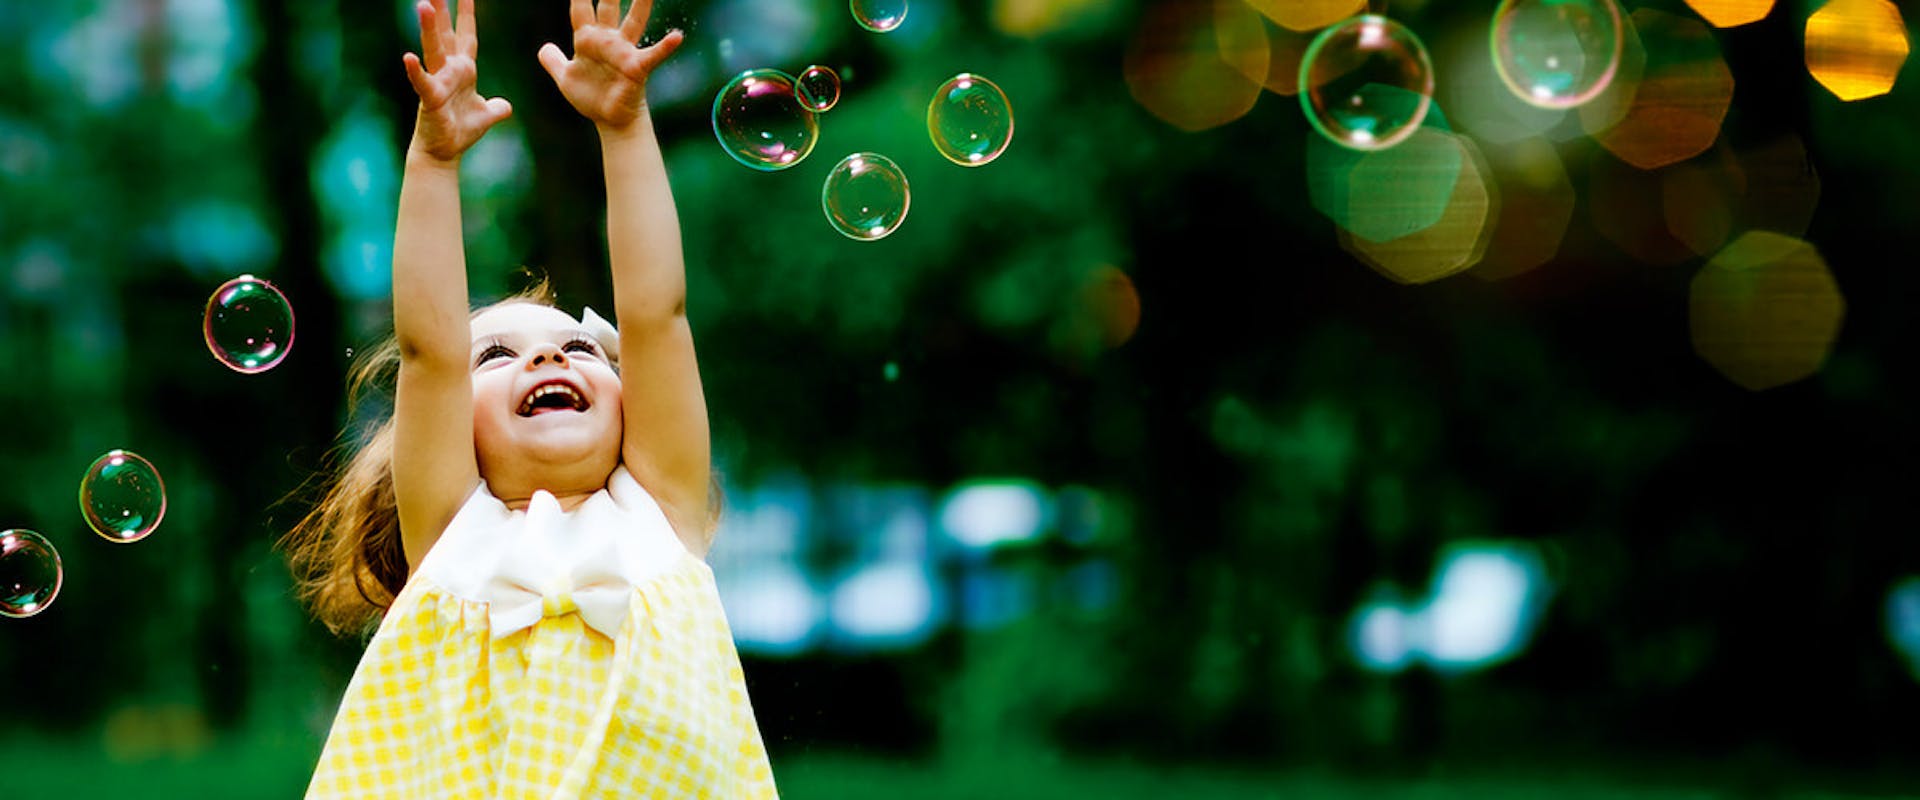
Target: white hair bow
603, 332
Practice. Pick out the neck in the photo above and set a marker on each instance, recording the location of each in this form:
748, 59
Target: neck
568, 501
515, 482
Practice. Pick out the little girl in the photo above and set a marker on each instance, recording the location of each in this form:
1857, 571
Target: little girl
534, 517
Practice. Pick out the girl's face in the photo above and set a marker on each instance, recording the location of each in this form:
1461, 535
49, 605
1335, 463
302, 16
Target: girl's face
546, 402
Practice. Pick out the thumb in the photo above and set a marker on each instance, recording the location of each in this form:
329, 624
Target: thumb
552, 59
499, 109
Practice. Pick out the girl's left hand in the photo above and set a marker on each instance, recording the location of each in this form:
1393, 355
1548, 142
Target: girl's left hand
606, 80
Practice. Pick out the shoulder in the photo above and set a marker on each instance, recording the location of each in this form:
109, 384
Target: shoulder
632, 496
478, 517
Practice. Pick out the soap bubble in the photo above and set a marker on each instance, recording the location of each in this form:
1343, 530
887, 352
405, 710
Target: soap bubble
1557, 53
248, 325
30, 573
1366, 83
970, 120
762, 123
123, 497
865, 196
879, 16
819, 88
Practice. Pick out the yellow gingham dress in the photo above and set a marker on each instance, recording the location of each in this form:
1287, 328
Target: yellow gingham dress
492, 676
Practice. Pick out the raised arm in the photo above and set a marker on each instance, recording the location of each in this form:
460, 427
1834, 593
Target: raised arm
434, 465
664, 443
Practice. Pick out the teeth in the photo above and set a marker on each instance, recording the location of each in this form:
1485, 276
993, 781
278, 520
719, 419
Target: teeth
526, 406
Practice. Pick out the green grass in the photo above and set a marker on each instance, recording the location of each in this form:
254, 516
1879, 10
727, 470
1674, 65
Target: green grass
277, 766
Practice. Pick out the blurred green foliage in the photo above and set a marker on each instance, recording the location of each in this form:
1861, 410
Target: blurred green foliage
1287, 430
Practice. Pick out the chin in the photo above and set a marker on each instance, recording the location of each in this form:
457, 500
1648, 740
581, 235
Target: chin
567, 451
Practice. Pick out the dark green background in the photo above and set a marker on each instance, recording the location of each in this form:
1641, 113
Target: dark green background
1284, 429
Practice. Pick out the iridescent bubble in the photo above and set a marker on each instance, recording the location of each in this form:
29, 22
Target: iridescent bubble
248, 325
29, 573
970, 120
122, 497
1366, 83
761, 122
1557, 53
819, 88
865, 196
879, 16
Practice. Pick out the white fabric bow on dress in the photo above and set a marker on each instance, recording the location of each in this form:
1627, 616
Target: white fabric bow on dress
555, 575
545, 562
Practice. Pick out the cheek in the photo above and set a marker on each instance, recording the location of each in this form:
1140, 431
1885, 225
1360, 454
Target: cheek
483, 422
607, 386
488, 402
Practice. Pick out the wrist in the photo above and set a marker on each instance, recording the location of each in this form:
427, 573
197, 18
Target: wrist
418, 156
638, 127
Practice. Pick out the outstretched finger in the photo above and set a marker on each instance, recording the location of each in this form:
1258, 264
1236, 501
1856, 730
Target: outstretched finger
609, 12
443, 24
469, 35
635, 23
653, 54
422, 82
429, 41
551, 58
582, 13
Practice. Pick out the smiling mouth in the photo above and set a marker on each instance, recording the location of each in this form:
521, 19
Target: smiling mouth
552, 396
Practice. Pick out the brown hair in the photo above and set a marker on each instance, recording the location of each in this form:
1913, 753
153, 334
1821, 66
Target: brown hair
346, 554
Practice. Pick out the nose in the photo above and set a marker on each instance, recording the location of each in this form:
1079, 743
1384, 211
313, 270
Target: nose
544, 353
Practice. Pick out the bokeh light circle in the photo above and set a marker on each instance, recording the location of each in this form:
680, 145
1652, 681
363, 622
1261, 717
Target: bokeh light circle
1458, 237
1306, 16
1194, 65
970, 120
248, 325
865, 196
1765, 311
819, 88
122, 497
1855, 48
30, 573
1731, 13
1536, 206
761, 121
1681, 101
879, 16
1384, 194
1557, 53
1366, 83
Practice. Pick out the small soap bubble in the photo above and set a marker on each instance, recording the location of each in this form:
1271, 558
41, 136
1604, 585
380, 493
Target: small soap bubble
865, 196
819, 88
248, 325
1366, 83
879, 16
123, 497
30, 573
1557, 53
970, 120
760, 120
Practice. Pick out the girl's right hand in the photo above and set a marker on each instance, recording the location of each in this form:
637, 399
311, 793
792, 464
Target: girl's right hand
452, 114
